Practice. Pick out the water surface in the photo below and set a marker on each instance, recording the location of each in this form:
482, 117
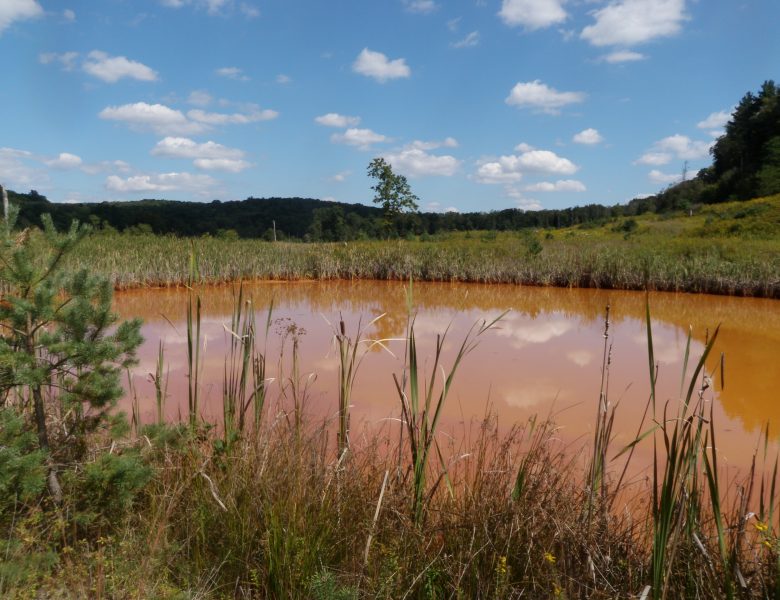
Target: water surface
545, 356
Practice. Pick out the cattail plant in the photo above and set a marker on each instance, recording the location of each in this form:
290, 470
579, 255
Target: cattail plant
193, 338
421, 406
349, 363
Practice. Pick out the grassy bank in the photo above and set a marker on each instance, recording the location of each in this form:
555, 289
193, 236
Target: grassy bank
726, 249
270, 504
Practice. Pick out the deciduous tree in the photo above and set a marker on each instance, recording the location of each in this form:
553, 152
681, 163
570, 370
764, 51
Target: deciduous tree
393, 192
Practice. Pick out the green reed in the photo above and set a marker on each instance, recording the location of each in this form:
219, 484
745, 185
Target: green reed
660, 256
350, 358
676, 494
238, 363
244, 383
421, 406
605, 418
160, 380
767, 499
193, 313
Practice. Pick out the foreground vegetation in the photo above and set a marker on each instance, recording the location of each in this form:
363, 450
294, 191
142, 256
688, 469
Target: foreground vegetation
272, 502
731, 248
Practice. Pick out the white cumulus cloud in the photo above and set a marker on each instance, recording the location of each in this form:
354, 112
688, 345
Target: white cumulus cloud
16, 171
562, 185
538, 95
212, 118
631, 22
181, 147
684, 147
416, 162
545, 161
362, 138
448, 142
589, 137
378, 66
340, 177
503, 170
337, 120
621, 56
674, 146
160, 182
65, 160
221, 164
232, 73
715, 122
18, 10
521, 201
511, 168
532, 14
657, 176
206, 156
654, 158
158, 118
113, 68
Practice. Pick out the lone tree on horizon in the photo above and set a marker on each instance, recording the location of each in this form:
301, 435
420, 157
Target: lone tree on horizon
392, 191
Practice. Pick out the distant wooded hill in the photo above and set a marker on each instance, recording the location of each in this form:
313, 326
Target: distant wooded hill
746, 158
302, 218
746, 164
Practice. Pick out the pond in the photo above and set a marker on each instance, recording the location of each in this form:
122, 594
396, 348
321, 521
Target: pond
544, 357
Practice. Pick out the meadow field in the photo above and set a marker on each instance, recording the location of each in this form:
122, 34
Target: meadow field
723, 249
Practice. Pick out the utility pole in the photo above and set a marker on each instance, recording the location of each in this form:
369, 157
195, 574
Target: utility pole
274, 222
685, 171
5, 202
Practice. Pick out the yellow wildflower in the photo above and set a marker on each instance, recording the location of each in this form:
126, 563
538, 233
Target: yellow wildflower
761, 526
550, 557
501, 566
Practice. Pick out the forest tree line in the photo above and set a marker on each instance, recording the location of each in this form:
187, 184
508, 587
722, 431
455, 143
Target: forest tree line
297, 218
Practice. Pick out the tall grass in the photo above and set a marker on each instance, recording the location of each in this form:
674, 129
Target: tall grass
278, 514
421, 404
602, 434
655, 261
193, 337
160, 380
350, 357
244, 384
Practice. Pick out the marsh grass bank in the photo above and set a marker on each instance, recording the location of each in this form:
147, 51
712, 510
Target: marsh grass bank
729, 249
270, 503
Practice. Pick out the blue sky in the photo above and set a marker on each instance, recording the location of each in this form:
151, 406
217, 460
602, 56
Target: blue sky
482, 104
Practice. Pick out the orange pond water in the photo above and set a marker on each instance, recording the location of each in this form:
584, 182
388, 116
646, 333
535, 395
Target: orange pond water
545, 356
